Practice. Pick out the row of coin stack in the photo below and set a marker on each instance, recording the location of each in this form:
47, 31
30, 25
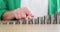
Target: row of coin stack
52, 19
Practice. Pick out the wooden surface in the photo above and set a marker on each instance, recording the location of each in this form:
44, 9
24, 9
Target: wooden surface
30, 28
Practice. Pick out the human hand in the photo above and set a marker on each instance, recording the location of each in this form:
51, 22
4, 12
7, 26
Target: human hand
22, 13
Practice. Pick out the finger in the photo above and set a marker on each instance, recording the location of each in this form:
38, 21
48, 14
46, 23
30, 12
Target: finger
19, 15
23, 15
29, 14
29, 17
15, 14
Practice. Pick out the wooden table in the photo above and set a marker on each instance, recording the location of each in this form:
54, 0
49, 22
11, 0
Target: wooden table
30, 28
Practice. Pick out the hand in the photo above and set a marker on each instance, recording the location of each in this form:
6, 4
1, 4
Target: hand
22, 13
